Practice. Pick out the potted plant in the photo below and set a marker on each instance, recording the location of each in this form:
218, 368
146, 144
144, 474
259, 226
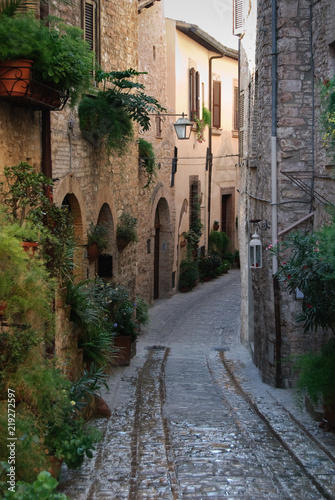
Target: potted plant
58, 56
102, 122
97, 240
107, 114
126, 230
216, 225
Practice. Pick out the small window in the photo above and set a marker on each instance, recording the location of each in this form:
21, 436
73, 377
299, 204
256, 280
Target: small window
194, 94
216, 104
91, 26
236, 113
158, 127
238, 17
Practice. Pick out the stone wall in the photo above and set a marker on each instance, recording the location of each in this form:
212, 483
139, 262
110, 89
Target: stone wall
299, 150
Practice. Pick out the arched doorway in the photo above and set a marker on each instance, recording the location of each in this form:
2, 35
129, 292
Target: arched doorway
71, 202
162, 251
105, 261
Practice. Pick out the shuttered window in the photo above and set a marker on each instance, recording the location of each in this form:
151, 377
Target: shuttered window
238, 17
91, 26
216, 104
241, 126
236, 114
194, 94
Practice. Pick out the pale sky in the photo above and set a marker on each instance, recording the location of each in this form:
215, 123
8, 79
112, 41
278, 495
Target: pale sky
212, 16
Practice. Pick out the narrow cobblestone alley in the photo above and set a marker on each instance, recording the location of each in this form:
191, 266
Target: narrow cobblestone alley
191, 418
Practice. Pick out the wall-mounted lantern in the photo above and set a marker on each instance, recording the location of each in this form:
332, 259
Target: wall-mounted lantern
255, 245
255, 252
183, 127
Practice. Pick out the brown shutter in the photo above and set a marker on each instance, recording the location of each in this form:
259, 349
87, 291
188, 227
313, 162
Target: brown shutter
216, 104
197, 93
90, 24
236, 127
192, 94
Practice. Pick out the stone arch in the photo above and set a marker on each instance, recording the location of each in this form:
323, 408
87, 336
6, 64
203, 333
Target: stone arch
70, 187
72, 203
105, 263
163, 216
163, 249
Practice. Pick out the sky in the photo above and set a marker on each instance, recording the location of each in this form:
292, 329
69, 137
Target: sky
212, 16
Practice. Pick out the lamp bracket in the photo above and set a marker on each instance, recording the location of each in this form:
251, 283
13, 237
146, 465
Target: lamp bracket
260, 224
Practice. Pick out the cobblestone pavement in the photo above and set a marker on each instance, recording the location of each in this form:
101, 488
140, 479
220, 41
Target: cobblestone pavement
191, 418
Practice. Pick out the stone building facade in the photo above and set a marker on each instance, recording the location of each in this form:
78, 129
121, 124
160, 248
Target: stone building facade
286, 50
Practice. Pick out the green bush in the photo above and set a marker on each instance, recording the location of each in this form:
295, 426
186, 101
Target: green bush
147, 160
189, 274
218, 242
317, 374
41, 489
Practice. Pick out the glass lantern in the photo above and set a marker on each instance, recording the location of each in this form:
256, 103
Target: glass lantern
255, 252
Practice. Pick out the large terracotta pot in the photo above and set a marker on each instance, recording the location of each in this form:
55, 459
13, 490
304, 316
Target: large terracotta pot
30, 246
15, 77
92, 253
123, 344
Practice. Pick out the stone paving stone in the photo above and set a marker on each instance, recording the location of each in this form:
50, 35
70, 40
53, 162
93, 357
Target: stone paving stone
190, 421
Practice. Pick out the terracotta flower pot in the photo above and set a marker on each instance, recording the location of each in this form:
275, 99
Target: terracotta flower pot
123, 344
216, 227
30, 246
15, 77
92, 253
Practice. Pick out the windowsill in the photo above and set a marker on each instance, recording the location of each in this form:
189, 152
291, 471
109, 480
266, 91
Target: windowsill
234, 133
216, 131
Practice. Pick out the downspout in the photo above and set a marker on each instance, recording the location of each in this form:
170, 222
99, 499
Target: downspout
210, 153
276, 290
46, 166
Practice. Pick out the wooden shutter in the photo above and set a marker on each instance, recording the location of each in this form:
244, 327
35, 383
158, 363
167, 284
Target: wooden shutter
236, 113
90, 24
216, 104
158, 127
238, 17
194, 94
241, 125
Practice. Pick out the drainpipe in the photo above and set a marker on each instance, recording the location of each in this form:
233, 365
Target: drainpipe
276, 290
46, 166
210, 153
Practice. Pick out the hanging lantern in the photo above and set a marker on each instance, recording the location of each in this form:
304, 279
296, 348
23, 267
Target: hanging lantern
255, 252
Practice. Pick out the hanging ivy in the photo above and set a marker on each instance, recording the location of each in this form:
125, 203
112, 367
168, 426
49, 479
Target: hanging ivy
147, 160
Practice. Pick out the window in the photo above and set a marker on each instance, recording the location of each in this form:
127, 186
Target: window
194, 94
236, 113
91, 26
216, 122
238, 17
241, 128
158, 122
194, 203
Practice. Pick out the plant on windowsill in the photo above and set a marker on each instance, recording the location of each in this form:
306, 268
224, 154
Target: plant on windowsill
97, 240
147, 160
126, 230
201, 123
60, 59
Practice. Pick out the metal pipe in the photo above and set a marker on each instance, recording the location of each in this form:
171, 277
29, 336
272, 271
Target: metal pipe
210, 154
308, 216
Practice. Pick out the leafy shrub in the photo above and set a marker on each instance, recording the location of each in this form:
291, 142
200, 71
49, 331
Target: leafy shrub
218, 242
41, 489
147, 160
189, 274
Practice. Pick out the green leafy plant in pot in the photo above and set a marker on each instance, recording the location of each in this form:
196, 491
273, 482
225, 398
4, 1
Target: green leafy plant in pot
60, 56
97, 240
126, 230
